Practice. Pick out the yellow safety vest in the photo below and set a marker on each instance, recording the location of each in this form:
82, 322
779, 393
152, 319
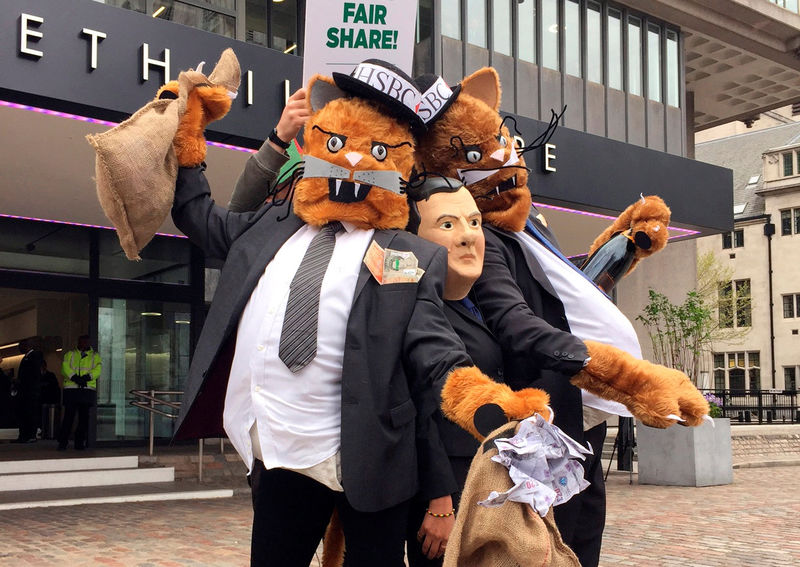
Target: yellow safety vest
76, 362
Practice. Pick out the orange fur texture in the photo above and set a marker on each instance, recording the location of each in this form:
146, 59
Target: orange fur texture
362, 122
473, 123
651, 392
467, 389
204, 104
649, 215
333, 542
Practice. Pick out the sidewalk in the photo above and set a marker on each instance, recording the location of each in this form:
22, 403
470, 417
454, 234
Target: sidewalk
754, 521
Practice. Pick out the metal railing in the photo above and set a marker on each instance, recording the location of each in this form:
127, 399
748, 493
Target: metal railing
150, 401
759, 406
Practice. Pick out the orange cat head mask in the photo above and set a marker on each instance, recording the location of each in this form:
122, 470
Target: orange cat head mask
467, 139
359, 148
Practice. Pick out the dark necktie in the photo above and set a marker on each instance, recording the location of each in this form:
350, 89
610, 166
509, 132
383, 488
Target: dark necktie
298, 345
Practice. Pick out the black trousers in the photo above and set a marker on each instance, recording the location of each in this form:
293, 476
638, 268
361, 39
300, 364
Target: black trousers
291, 512
76, 401
29, 414
416, 558
581, 520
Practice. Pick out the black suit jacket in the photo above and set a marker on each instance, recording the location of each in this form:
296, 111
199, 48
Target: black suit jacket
398, 348
524, 312
486, 354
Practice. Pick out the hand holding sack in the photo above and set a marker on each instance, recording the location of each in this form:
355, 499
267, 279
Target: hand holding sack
137, 164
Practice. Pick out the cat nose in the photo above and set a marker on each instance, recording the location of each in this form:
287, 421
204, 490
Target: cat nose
353, 158
499, 155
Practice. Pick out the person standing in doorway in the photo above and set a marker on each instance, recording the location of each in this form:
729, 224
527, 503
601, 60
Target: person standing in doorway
29, 378
81, 369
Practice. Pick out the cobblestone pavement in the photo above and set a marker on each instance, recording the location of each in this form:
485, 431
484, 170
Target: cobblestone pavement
755, 521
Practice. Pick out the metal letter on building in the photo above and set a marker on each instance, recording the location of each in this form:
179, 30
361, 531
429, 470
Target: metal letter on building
25, 33
96, 37
146, 62
549, 156
249, 76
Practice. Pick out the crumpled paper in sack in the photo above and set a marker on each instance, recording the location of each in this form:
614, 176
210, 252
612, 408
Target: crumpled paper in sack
136, 167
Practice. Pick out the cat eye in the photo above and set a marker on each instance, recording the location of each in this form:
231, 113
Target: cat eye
335, 143
379, 151
502, 140
474, 155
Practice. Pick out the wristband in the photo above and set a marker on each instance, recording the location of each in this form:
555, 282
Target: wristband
273, 137
447, 515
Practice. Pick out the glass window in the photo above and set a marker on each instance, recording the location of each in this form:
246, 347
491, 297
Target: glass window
673, 69
135, 5
164, 260
423, 47
797, 221
196, 17
501, 26
725, 305
719, 380
549, 33
654, 62
451, 18
614, 49
791, 305
736, 378
526, 30
788, 164
790, 378
719, 360
634, 55
755, 378
144, 345
726, 240
786, 222
572, 38
738, 237
594, 42
284, 26
255, 18
41, 246
743, 303
476, 25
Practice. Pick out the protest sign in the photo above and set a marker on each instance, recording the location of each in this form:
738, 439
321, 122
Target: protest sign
340, 34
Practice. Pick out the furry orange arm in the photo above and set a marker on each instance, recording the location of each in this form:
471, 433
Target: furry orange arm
651, 392
648, 218
208, 100
468, 389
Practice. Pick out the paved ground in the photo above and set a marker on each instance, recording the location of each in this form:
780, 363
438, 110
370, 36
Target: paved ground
755, 521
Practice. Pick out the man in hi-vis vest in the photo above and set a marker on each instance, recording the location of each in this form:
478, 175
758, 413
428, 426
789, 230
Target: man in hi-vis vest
81, 369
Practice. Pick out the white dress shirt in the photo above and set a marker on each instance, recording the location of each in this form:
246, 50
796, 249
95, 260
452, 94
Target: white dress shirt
591, 316
296, 417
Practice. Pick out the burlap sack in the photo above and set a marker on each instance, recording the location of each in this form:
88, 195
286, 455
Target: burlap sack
511, 535
136, 167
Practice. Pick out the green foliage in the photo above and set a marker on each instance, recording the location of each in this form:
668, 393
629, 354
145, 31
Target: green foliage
680, 334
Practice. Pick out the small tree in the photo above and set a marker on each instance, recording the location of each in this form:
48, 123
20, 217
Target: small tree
682, 334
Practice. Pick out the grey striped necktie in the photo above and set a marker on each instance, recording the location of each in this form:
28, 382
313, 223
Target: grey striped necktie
298, 345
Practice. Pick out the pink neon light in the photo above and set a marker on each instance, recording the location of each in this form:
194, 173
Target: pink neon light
688, 232
51, 221
49, 112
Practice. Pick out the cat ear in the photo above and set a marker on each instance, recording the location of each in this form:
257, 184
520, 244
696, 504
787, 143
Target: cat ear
322, 90
483, 84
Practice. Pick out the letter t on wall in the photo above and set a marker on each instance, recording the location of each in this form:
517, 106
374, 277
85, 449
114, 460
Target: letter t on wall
95, 36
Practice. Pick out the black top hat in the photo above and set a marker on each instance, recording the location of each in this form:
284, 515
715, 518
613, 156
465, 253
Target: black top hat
436, 97
383, 82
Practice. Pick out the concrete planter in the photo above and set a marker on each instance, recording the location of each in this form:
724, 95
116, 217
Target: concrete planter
685, 456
